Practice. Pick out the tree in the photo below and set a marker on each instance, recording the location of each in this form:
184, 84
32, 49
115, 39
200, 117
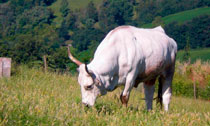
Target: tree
3, 1
64, 8
199, 31
32, 45
32, 18
186, 56
59, 59
89, 23
195, 30
49, 2
158, 21
114, 13
178, 32
5, 48
68, 24
7, 19
82, 37
133, 2
91, 12
146, 11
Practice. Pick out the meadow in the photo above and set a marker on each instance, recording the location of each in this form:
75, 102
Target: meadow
32, 97
183, 16
195, 54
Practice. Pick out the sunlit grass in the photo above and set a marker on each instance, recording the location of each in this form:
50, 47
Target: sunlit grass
32, 97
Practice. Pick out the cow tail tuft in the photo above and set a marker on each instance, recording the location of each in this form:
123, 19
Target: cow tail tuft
159, 98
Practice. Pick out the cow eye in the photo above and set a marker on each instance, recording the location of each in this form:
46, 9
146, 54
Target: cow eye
89, 87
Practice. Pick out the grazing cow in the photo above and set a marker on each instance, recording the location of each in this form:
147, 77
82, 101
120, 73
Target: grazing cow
128, 56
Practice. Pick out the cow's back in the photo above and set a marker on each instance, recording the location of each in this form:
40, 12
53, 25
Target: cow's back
158, 50
148, 51
128, 48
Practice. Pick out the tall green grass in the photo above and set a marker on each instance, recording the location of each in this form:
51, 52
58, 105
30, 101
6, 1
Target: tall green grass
32, 97
183, 16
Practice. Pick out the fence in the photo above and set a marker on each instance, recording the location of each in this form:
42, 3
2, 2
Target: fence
5, 67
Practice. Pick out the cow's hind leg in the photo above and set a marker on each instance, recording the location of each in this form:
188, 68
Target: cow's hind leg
166, 81
149, 89
166, 92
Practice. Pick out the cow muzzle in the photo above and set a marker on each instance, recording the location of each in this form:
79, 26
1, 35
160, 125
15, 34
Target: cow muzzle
85, 104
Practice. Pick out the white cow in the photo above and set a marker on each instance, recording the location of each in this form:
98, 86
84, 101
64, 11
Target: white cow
128, 56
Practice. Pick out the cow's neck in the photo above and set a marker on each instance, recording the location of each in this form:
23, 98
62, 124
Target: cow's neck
108, 80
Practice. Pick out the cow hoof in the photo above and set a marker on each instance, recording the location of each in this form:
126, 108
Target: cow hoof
124, 100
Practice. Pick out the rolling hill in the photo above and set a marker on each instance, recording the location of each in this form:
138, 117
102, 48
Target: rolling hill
183, 16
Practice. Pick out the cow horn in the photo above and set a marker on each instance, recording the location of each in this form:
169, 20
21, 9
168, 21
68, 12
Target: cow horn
72, 58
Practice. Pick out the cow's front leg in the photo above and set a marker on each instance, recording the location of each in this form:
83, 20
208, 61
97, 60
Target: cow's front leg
124, 97
149, 92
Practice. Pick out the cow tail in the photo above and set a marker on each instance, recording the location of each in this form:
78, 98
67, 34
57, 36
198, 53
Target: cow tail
159, 98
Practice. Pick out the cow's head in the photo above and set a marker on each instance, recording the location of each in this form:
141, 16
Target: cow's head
90, 85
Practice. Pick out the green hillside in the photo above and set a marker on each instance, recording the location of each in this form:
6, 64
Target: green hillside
183, 16
179, 17
203, 54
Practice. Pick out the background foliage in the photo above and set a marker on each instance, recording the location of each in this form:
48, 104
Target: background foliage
31, 29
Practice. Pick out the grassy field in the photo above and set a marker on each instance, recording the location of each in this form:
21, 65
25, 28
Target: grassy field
183, 16
32, 97
195, 54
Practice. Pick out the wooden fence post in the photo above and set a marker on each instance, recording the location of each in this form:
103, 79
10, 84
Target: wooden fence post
194, 86
5, 67
45, 63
